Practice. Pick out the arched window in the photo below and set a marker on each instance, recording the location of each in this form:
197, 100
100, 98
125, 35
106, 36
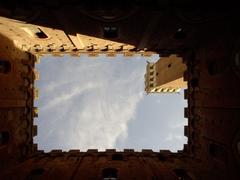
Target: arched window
109, 174
5, 66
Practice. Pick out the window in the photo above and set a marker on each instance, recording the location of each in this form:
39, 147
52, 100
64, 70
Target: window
216, 150
5, 66
110, 32
4, 138
117, 157
35, 174
109, 174
35, 32
40, 34
182, 174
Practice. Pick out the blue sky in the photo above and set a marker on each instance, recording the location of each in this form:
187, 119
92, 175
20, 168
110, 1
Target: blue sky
100, 102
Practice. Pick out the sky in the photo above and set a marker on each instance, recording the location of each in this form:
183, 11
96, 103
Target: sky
100, 103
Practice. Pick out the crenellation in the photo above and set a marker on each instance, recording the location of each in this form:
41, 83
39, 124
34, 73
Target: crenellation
110, 150
186, 94
165, 152
74, 151
186, 131
185, 148
186, 112
36, 93
129, 150
92, 150
34, 130
56, 151
35, 148
147, 151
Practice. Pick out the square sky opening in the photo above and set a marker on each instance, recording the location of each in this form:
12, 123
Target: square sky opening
101, 103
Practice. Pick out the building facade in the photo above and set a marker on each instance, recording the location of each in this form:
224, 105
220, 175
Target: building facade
165, 75
206, 39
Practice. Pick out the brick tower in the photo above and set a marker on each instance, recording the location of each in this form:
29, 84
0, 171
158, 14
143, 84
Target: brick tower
166, 75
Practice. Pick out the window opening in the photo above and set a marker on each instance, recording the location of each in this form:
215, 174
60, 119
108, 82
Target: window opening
4, 138
216, 150
109, 174
110, 32
5, 66
35, 174
40, 34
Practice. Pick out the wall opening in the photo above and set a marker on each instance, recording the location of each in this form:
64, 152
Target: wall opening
101, 103
36, 32
117, 157
182, 174
109, 174
5, 66
110, 32
216, 150
4, 138
40, 34
35, 174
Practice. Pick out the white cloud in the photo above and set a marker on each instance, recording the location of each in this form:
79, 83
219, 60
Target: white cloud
91, 103
173, 137
86, 103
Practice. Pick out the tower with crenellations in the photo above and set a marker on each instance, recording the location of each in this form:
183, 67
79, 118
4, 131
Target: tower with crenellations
165, 75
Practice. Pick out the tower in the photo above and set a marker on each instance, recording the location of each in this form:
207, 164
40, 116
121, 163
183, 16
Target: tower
165, 76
